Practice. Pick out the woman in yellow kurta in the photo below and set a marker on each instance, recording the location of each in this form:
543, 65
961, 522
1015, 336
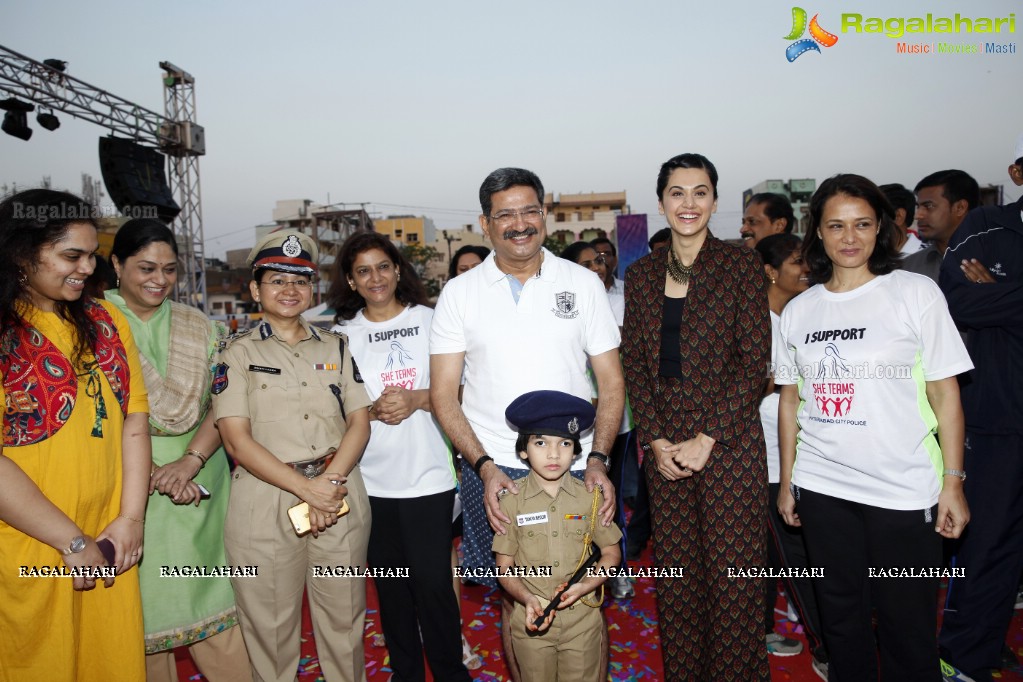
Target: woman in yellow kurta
75, 459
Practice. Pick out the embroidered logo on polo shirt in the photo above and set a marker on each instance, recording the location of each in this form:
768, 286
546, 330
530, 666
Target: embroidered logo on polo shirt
564, 305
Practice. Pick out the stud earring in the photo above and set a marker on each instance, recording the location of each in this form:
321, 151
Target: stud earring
772, 281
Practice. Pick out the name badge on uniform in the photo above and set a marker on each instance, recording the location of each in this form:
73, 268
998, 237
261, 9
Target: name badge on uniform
531, 519
264, 369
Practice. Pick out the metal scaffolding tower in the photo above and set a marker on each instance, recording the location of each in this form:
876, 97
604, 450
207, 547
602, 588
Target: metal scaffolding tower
183, 160
175, 133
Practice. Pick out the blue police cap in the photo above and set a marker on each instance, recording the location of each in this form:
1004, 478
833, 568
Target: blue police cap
550, 412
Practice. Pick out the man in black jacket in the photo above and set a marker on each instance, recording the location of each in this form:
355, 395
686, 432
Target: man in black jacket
982, 277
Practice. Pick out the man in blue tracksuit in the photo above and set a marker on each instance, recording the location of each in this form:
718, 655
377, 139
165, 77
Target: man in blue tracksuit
982, 277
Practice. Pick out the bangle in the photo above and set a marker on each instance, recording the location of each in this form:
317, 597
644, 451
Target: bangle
958, 473
480, 461
196, 453
131, 518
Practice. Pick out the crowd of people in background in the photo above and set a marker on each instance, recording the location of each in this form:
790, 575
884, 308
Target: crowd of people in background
820, 408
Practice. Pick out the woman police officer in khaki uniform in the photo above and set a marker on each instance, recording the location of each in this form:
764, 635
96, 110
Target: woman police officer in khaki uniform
291, 409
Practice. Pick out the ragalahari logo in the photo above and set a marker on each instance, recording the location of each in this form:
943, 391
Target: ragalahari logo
817, 35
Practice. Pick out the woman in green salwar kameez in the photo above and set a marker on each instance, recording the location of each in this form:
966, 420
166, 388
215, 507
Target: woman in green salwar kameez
184, 527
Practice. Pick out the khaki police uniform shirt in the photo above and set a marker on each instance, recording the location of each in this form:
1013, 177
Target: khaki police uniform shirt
292, 395
543, 531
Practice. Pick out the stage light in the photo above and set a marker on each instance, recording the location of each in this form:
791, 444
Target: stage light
16, 119
48, 121
16, 124
56, 64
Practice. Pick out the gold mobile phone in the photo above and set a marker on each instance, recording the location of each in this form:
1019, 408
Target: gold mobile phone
299, 515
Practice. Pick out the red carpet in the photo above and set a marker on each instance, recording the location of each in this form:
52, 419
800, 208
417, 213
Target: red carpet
635, 651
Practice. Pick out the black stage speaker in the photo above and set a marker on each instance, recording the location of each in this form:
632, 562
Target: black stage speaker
135, 178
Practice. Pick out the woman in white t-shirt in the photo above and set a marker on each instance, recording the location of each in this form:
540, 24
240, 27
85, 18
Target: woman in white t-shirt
867, 360
788, 276
380, 304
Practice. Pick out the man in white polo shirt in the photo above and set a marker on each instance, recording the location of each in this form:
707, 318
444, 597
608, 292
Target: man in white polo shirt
522, 321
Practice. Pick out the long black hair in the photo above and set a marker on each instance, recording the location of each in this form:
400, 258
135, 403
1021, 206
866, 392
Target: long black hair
480, 251
30, 221
137, 234
775, 249
687, 160
345, 300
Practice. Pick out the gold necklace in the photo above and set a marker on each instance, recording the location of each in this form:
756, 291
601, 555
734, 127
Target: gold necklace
678, 272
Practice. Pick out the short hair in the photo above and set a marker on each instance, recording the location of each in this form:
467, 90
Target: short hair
956, 185
604, 240
139, 233
775, 249
885, 256
900, 197
776, 206
662, 236
480, 251
346, 301
523, 440
574, 250
686, 161
257, 274
506, 178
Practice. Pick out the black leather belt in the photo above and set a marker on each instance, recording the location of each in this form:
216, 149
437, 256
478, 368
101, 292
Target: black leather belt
311, 468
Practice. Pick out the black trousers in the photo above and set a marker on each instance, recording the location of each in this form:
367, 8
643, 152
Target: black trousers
619, 454
980, 605
786, 549
848, 539
638, 531
419, 612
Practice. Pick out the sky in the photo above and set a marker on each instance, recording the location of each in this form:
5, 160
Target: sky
408, 106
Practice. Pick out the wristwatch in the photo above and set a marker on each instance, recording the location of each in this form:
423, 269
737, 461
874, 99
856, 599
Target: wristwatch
601, 457
77, 545
480, 461
959, 473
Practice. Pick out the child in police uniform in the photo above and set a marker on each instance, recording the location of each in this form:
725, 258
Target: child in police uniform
553, 522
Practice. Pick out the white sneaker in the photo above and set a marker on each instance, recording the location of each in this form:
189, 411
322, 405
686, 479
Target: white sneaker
470, 660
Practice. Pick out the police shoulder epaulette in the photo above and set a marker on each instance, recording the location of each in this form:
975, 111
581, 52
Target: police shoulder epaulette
224, 343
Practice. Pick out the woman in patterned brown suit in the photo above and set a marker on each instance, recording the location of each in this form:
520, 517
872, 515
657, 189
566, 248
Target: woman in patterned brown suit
696, 344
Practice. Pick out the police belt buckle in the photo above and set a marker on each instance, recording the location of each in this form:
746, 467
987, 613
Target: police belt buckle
311, 468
